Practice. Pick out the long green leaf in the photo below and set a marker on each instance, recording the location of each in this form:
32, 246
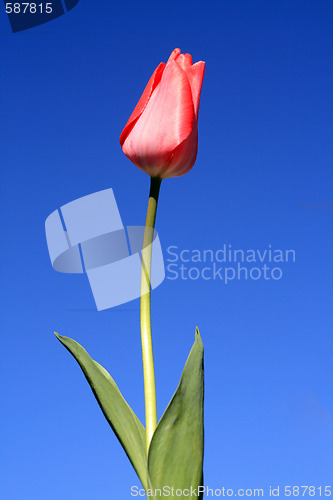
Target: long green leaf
125, 424
175, 457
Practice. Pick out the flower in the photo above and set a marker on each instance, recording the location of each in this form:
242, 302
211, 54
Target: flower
161, 135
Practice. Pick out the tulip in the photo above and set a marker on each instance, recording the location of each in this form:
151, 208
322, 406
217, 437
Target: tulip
161, 135
161, 138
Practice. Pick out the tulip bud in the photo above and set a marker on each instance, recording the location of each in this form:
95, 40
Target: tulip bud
161, 135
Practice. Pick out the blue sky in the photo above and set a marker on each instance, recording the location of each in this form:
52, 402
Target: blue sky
263, 177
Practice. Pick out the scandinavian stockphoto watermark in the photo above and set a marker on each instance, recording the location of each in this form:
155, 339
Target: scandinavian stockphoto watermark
87, 236
222, 491
25, 15
227, 263
170, 491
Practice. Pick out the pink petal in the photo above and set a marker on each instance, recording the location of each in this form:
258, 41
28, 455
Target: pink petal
195, 76
184, 60
165, 123
143, 101
184, 156
174, 54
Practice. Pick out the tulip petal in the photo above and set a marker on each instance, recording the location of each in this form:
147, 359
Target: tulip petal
195, 76
139, 108
184, 156
184, 60
174, 54
166, 122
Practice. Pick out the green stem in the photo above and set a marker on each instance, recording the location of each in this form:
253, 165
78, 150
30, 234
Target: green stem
145, 316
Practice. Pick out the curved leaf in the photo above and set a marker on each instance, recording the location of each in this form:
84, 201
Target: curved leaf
125, 424
175, 457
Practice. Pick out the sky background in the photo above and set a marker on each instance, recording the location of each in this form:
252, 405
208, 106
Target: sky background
263, 177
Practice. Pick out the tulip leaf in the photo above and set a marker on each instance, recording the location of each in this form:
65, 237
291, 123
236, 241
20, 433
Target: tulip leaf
123, 421
175, 457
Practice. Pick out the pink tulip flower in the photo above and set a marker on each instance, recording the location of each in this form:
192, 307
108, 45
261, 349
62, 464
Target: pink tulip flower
161, 135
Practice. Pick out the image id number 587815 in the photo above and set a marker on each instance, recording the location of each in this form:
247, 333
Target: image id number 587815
307, 491
28, 8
